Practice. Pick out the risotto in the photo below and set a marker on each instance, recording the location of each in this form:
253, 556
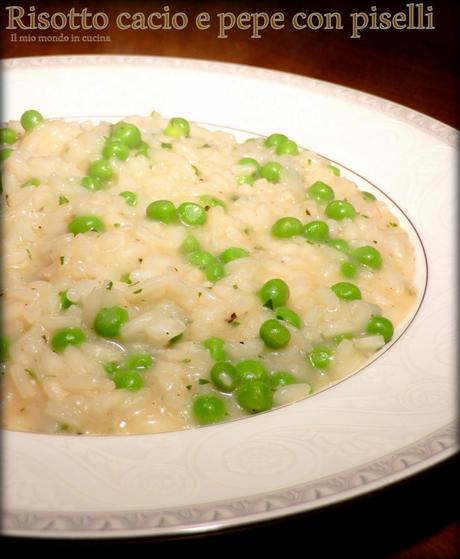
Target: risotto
159, 276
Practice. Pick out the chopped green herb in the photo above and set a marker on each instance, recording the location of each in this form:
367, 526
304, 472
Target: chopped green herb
137, 291
61, 260
30, 182
166, 145
109, 285
116, 224
235, 286
392, 224
31, 374
130, 197
29, 254
188, 387
368, 196
63, 200
203, 381
335, 170
187, 360
198, 173
63, 427
126, 279
176, 339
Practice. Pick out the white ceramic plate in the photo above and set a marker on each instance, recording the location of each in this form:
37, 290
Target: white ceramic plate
393, 418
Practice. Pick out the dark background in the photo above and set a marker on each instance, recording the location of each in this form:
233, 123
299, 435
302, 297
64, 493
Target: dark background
414, 68
414, 519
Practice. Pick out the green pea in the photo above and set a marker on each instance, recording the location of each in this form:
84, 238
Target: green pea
382, 326
274, 293
254, 396
7, 136
163, 211
274, 334
321, 192
232, 253
320, 357
200, 258
191, 214
225, 376
143, 149
339, 244
275, 140
85, 223
367, 256
287, 227
214, 271
346, 291
139, 361
250, 369
216, 348
339, 210
115, 148
282, 378
340, 337
4, 349
5, 153
271, 171
110, 320
245, 179
249, 162
348, 269
101, 169
111, 368
208, 409
189, 244
177, 127
335, 170
92, 183
128, 379
315, 231
64, 301
30, 119
288, 315
289, 147
67, 336
126, 133
368, 196
130, 197
31, 182
211, 201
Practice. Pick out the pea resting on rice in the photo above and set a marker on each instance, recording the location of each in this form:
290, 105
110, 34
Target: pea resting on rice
159, 276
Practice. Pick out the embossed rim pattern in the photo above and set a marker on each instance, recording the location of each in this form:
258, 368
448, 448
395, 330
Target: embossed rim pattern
216, 514
219, 515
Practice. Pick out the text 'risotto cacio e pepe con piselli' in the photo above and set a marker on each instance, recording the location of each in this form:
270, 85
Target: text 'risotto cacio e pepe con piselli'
159, 276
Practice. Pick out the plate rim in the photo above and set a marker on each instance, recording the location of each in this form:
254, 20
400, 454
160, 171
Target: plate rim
213, 516
425, 452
